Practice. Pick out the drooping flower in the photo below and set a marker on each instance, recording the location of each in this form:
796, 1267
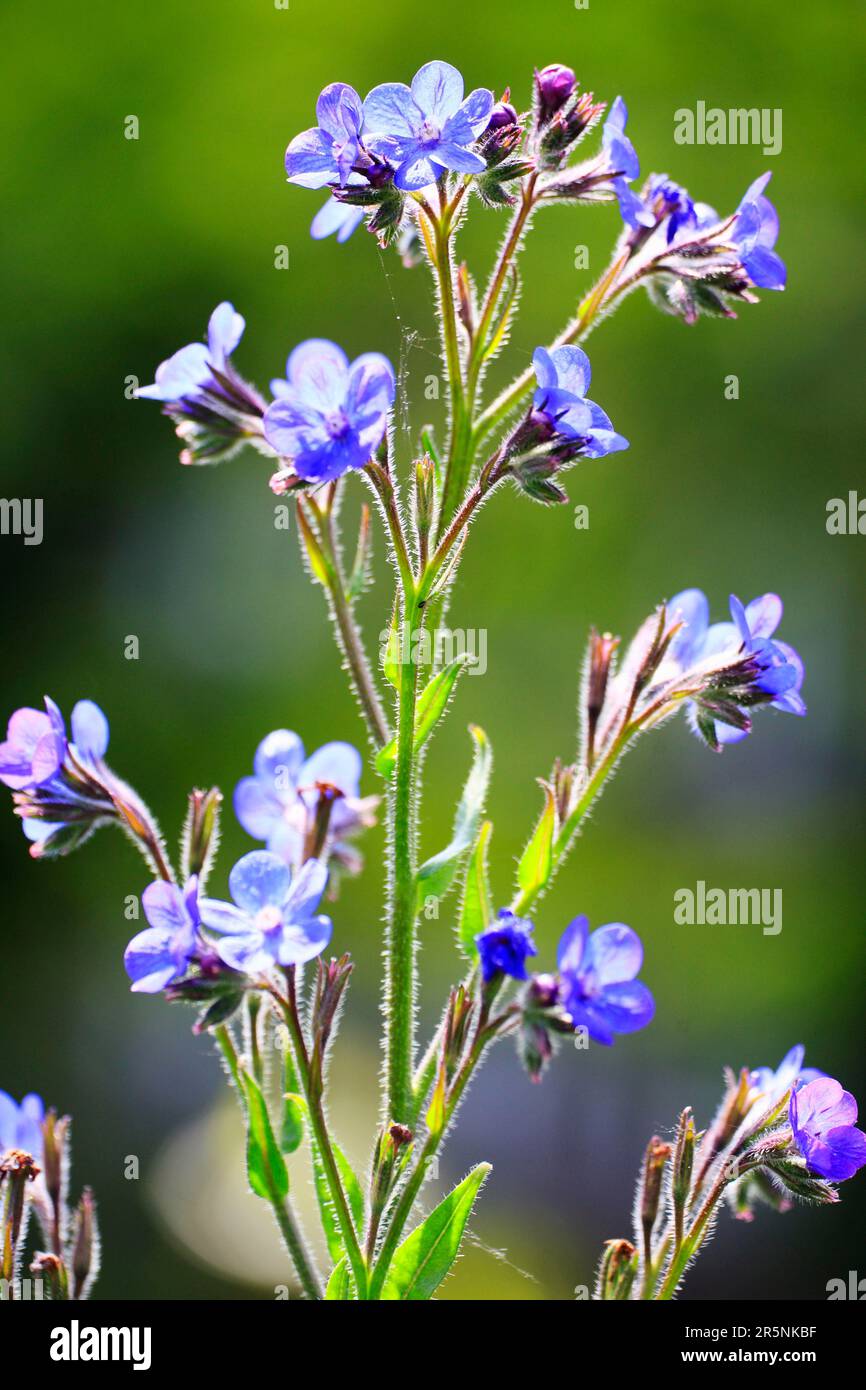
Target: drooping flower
563, 377
752, 668
770, 1085
183, 376
163, 951
21, 1125
35, 747
329, 415
428, 127
598, 988
278, 804
669, 208
336, 218
824, 1120
327, 153
57, 781
624, 165
754, 234
273, 920
505, 945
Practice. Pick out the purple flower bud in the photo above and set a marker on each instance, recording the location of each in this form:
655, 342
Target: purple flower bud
554, 85
502, 115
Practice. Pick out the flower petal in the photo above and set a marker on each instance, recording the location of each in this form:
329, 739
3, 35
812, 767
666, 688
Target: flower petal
89, 730
259, 880
303, 941
257, 808
305, 893
628, 1006
151, 960
572, 944
437, 91
614, 953
390, 110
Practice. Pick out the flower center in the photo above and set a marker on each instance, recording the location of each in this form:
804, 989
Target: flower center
269, 919
336, 423
429, 133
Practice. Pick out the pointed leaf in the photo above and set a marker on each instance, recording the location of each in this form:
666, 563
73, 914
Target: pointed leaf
292, 1127
476, 909
437, 875
428, 711
425, 1257
266, 1168
533, 871
339, 1284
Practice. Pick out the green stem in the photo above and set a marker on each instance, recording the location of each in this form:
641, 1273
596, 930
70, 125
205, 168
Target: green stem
348, 632
401, 936
281, 1207
416, 1179
318, 1124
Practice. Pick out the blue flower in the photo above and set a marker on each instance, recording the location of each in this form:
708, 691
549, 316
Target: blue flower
774, 669
823, 1117
771, 1085
563, 377
327, 153
43, 767
624, 165
336, 217
505, 946
754, 234
278, 803
428, 128
35, 747
182, 377
21, 1125
598, 989
329, 415
163, 951
273, 921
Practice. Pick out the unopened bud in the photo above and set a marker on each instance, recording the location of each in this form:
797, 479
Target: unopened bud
618, 1270
554, 85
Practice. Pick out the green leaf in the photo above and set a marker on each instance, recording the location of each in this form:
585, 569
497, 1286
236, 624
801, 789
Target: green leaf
391, 658
292, 1127
351, 1186
266, 1168
425, 1257
428, 711
437, 875
339, 1284
533, 871
476, 909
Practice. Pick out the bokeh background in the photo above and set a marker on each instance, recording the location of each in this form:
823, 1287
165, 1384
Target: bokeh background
115, 252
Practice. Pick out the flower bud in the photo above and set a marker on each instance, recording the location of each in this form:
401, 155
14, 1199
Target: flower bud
85, 1246
554, 85
618, 1269
200, 834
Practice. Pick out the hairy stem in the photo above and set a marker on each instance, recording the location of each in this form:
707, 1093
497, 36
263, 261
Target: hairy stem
348, 633
318, 1124
282, 1207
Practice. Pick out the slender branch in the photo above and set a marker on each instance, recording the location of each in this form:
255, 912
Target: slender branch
289, 1009
321, 530
281, 1207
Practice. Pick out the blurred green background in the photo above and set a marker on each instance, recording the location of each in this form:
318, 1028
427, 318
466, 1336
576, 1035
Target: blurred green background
115, 253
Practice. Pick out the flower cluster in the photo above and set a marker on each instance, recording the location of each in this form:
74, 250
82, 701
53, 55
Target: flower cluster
400, 137
595, 990
721, 673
